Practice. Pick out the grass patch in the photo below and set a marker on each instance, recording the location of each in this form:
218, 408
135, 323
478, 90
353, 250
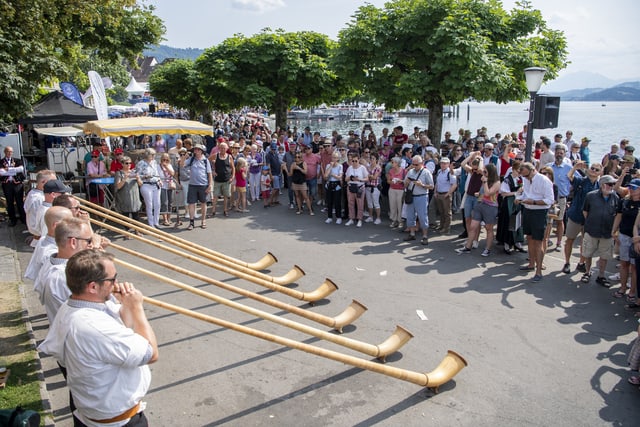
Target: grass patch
17, 355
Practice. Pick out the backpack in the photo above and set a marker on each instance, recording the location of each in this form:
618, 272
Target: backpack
19, 418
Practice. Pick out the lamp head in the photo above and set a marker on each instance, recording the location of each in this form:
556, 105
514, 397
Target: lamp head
534, 76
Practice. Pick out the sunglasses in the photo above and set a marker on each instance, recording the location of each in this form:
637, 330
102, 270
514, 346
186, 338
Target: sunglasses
609, 184
354, 161
126, 163
87, 240
94, 157
595, 169
183, 154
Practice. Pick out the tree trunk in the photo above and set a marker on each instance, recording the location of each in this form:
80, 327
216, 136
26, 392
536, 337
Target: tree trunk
435, 124
280, 109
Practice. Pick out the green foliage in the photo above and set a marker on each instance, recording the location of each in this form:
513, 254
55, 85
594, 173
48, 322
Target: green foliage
176, 83
438, 52
47, 40
273, 69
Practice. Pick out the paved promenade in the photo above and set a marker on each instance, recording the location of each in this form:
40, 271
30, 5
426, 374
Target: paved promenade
546, 354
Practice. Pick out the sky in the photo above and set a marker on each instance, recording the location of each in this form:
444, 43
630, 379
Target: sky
601, 35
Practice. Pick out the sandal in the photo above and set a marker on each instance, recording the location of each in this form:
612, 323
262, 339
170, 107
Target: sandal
634, 380
631, 298
619, 294
191, 226
226, 213
585, 278
203, 226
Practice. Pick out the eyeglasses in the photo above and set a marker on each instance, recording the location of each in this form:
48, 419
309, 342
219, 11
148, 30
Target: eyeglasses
87, 240
183, 154
94, 157
519, 158
415, 164
595, 169
354, 160
609, 184
126, 163
112, 280
165, 160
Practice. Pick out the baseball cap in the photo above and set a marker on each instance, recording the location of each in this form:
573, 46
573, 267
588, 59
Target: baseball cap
56, 186
635, 182
585, 139
445, 159
95, 153
200, 147
265, 168
274, 145
118, 151
488, 145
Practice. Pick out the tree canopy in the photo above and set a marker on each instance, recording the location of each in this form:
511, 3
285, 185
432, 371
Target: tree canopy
46, 40
272, 69
176, 83
432, 53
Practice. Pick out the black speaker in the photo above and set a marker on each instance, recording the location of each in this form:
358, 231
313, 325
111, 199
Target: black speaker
546, 112
152, 108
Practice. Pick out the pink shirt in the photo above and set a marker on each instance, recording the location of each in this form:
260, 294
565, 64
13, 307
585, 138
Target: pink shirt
241, 180
399, 175
312, 161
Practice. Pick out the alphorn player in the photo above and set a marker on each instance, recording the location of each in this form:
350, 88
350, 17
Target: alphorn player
102, 335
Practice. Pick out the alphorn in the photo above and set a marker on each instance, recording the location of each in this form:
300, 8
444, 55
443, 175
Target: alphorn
347, 317
293, 275
325, 289
263, 263
399, 338
445, 371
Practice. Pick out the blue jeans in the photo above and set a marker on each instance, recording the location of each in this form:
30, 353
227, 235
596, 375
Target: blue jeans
312, 186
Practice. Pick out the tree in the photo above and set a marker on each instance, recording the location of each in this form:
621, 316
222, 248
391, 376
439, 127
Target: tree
272, 69
433, 53
176, 83
42, 41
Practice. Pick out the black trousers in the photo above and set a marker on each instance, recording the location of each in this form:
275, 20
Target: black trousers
14, 193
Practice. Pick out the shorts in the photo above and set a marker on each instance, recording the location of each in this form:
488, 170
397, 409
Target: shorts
597, 247
485, 212
534, 222
222, 188
299, 187
276, 184
241, 189
625, 245
265, 194
197, 194
469, 203
562, 207
573, 229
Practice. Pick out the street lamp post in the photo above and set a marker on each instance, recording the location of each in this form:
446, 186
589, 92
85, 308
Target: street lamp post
533, 76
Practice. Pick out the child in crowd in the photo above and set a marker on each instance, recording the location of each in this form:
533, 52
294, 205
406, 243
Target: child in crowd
241, 185
265, 185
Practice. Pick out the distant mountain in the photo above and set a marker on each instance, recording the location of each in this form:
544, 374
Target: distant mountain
628, 91
579, 80
162, 52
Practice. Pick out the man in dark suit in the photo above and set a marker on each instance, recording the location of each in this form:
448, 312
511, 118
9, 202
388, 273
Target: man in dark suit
12, 177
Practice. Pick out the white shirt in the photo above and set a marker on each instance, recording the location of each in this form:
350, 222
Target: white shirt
45, 247
359, 172
32, 202
539, 188
52, 282
40, 228
106, 362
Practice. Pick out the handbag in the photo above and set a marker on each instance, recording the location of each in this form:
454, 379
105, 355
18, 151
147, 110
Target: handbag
408, 196
353, 187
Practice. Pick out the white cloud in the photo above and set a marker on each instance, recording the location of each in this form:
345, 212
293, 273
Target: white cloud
257, 6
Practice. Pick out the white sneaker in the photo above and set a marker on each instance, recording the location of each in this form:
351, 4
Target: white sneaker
329, 221
359, 224
369, 219
339, 221
474, 245
291, 206
350, 222
319, 202
365, 214
615, 277
377, 221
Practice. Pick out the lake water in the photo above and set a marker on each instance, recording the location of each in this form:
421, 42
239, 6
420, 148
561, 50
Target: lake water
604, 125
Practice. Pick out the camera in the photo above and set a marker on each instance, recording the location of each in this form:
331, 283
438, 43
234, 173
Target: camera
633, 171
352, 177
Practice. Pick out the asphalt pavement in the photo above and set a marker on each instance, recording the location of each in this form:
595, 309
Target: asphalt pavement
547, 353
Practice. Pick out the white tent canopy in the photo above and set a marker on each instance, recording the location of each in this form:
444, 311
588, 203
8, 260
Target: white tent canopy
60, 131
135, 88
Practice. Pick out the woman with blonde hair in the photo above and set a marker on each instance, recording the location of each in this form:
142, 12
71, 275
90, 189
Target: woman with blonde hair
167, 188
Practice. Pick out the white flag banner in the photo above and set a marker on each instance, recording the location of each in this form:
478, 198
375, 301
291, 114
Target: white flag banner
99, 98
99, 95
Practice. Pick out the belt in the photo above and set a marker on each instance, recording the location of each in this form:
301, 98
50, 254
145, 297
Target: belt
444, 192
418, 195
149, 182
562, 197
123, 416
